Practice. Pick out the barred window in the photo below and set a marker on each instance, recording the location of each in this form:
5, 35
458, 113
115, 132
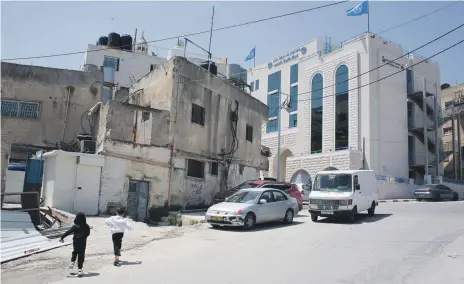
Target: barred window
20, 109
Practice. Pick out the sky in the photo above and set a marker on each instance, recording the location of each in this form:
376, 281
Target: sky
43, 28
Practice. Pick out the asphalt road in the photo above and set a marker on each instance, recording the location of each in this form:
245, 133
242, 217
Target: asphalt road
417, 242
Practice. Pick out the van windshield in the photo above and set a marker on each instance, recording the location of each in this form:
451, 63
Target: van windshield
333, 182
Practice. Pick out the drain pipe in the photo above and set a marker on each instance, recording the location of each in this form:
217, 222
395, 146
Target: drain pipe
69, 89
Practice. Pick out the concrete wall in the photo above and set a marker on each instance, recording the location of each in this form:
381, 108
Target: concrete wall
175, 85
14, 183
49, 87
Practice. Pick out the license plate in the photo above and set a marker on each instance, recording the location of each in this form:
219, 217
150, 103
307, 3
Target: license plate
420, 195
327, 212
217, 218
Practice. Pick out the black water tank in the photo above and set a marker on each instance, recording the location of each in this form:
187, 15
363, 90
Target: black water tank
114, 40
126, 42
103, 40
445, 86
212, 68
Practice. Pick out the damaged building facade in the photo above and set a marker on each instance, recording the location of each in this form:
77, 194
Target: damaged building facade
179, 137
42, 109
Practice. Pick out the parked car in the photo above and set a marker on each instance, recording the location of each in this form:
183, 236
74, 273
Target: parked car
305, 190
343, 193
288, 188
251, 206
435, 192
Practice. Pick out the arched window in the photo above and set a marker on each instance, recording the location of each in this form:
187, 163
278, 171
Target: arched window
316, 113
341, 108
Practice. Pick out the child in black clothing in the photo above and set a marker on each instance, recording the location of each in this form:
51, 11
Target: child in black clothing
81, 231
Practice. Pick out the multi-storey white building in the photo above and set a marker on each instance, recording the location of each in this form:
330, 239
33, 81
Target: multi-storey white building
333, 116
122, 67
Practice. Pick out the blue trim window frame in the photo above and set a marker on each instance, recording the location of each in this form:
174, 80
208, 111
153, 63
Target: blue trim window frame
317, 104
293, 121
272, 125
293, 111
273, 88
257, 85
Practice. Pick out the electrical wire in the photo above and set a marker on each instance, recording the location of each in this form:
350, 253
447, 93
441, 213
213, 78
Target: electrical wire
361, 38
383, 78
420, 17
380, 66
189, 34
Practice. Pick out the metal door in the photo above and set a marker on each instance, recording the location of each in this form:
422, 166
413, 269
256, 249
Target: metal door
87, 188
137, 200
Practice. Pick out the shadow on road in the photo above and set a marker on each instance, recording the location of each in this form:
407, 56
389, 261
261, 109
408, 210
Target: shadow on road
260, 227
124, 262
89, 274
360, 219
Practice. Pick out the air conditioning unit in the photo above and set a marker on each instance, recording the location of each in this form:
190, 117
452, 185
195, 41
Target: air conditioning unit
88, 146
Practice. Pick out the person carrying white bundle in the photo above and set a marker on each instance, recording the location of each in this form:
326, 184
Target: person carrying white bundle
118, 226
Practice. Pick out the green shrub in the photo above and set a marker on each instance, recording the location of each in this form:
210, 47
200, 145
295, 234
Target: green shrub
157, 212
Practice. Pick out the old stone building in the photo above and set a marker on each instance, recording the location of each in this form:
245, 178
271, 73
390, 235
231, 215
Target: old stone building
44, 108
179, 136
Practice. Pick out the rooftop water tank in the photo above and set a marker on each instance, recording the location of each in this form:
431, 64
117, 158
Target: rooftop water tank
212, 67
114, 40
175, 51
126, 42
103, 40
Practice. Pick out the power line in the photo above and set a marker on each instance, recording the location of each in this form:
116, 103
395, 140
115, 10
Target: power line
190, 34
378, 67
378, 80
359, 39
423, 16
383, 78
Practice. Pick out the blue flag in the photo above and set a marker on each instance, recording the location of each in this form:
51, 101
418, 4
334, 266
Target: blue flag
360, 9
251, 55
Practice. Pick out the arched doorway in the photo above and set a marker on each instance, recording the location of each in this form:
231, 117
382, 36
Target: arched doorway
284, 154
301, 177
330, 168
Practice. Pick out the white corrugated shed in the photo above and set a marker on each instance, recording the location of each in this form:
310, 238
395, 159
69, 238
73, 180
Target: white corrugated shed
20, 238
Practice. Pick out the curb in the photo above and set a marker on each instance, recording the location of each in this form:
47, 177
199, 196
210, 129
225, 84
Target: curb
397, 200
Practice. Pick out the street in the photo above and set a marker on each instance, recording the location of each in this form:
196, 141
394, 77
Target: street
415, 242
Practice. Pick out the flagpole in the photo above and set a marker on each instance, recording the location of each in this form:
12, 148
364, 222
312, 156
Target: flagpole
254, 59
368, 20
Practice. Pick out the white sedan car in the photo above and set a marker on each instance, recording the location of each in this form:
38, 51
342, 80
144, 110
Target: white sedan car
248, 207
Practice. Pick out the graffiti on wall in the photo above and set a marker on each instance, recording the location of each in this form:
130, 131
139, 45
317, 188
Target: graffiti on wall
197, 188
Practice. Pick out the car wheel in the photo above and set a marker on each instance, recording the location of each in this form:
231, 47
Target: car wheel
371, 211
455, 197
352, 216
314, 217
288, 216
249, 221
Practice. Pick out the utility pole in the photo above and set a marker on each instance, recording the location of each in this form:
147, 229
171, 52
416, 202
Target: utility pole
278, 138
453, 138
426, 135
210, 37
437, 128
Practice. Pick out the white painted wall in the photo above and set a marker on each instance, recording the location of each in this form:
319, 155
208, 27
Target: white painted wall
131, 64
61, 181
378, 112
14, 183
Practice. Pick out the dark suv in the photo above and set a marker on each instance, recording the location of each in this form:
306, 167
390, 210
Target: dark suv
288, 188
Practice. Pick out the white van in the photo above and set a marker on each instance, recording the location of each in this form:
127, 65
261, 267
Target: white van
343, 193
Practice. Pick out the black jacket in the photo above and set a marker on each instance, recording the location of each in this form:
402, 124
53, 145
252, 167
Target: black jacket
80, 229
